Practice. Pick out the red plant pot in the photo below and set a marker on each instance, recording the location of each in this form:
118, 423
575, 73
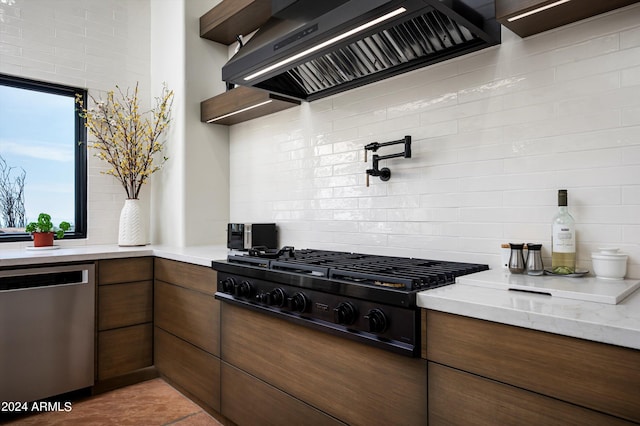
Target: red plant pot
42, 239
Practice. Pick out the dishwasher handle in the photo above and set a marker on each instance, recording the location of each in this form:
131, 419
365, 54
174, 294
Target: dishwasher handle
42, 277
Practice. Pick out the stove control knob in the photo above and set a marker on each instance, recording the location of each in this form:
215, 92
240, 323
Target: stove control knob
229, 285
345, 313
278, 297
299, 302
245, 289
264, 298
377, 320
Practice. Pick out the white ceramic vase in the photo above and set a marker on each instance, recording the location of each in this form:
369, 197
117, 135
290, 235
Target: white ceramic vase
131, 230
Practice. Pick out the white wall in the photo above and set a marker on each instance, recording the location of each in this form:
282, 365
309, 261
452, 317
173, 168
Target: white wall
495, 135
207, 147
167, 65
98, 44
88, 44
191, 194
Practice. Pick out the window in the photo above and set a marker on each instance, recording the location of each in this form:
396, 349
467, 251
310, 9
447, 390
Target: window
43, 157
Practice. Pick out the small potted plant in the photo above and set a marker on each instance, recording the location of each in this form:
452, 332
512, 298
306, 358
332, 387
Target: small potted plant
43, 230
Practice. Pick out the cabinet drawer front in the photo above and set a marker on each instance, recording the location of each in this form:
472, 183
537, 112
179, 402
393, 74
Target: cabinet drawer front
189, 367
190, 315
458, 398
113, 271
195, 277
353, 382
239, 387
598, 376
124, 350
121, 305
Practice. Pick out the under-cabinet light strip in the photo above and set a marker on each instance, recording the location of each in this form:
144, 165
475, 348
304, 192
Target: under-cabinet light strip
534, 11
239, 111
327, 43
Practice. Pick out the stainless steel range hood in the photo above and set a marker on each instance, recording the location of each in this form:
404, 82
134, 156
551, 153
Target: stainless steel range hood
310, 49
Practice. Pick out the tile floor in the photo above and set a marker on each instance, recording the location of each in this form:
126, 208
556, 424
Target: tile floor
149, 403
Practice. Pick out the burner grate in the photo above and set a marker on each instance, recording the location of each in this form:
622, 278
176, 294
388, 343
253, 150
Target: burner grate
365, 269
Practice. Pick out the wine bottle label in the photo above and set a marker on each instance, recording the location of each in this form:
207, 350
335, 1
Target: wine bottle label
564, 239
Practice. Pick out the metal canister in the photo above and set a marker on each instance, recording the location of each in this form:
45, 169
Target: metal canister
516, 260
534, 259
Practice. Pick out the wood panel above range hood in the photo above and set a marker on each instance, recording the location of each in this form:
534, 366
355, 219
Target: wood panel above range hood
231, 18
564, 12
242, 104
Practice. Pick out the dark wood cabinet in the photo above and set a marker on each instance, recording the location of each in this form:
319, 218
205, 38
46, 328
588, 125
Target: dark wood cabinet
187, 323
553, 17
186, 275
598, 378
281, 408
234, 17
124, 322
189, 368
349, 381
222, 109
117, 271
121, 305
188, 314
124, 350
460, 398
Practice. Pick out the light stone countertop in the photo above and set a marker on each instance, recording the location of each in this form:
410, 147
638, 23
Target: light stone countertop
601, 322
197, 255
617, 324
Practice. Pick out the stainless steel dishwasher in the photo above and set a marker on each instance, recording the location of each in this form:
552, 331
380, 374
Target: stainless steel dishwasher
47, 317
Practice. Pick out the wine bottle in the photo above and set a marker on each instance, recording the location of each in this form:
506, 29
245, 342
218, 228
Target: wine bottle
563, 238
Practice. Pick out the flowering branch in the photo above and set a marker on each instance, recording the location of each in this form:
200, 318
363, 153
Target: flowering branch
127, 139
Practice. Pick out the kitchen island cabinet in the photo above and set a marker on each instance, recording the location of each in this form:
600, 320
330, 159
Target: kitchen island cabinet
483, 372
187, 322
124, 322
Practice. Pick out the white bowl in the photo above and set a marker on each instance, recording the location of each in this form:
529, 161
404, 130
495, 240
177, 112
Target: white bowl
609, 264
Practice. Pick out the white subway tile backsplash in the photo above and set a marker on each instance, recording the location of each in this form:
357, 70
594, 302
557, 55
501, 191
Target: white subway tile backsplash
631, 235
613, 61
10, 28
495, 135
608, 119
360, 238
630, 77
599, 234
390, 202
413, 228
625, 215
423, 103
630, 38
35, 31
568, 160
631, 194
359, 119
462, 199
10, 50
590, 48
332, 226
360, 214
631, 116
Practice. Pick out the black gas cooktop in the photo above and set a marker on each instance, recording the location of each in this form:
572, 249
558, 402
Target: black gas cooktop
387, 279
365, 297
